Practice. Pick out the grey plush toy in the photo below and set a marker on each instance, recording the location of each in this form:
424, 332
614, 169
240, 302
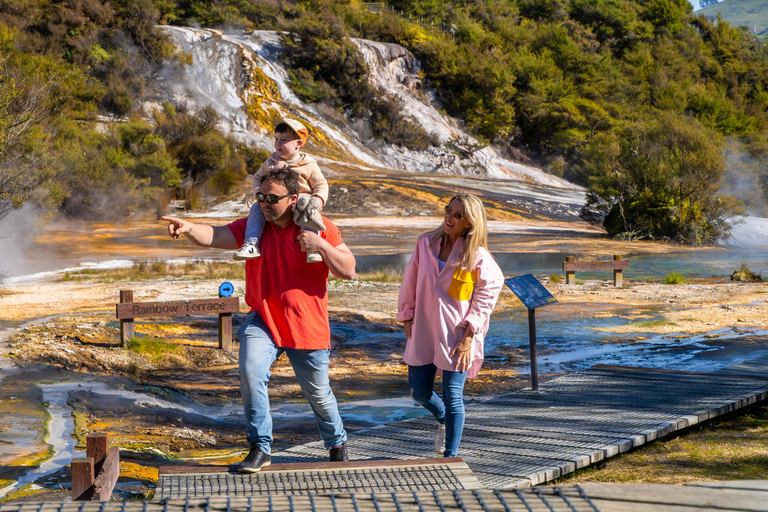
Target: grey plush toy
279, 166
306, 213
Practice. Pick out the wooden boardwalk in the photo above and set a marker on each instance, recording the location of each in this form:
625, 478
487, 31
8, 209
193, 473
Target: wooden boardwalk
527, 438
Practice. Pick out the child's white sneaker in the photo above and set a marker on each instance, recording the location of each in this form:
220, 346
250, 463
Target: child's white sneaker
247, 252
314, 257
440, 439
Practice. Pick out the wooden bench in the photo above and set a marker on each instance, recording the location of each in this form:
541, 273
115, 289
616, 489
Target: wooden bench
127, 310
617, 264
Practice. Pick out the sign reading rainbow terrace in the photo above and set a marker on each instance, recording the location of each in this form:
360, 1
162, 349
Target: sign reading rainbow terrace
186, 307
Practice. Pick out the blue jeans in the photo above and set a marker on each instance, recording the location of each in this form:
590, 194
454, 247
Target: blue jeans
257, 353
449, 409
255, 225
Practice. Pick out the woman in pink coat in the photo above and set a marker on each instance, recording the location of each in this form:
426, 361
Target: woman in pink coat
449, 290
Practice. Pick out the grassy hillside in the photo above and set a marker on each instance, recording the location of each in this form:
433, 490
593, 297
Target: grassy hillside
741, 13
640, 100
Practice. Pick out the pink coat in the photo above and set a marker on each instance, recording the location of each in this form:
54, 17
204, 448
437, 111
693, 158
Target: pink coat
441, 304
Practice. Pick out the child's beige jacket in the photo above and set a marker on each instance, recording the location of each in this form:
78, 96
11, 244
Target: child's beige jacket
311, 179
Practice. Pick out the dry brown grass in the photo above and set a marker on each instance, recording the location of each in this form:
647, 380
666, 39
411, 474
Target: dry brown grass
143, 270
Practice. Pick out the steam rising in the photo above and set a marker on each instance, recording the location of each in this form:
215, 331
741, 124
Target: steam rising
748, 232
742, 180
17, 232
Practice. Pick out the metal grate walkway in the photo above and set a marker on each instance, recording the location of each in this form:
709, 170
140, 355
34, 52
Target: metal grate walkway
320, 478
550, 499
528, 438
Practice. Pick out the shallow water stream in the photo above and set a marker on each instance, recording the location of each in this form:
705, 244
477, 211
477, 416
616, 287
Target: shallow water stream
60, 425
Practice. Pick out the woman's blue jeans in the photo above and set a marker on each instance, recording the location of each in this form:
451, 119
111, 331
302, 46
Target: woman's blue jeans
257, 353
449, 409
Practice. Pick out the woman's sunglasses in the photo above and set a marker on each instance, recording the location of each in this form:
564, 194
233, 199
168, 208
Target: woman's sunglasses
270, 198
455, 215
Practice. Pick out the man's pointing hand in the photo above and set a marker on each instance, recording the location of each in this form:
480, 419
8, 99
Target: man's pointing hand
177, 226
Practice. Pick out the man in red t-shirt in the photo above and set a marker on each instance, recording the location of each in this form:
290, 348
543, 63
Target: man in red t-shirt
289, 312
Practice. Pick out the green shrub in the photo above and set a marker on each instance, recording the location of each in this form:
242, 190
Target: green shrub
327, 67
305, 86
647, 324
159, 267
117, 101
161, 169
665, 184
153, 349
555, 278
674, 278
744, 274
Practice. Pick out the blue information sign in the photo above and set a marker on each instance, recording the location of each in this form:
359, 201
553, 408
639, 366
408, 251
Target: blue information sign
226, 289
530, 291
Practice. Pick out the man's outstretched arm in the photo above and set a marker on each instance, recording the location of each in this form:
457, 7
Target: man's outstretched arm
203, 235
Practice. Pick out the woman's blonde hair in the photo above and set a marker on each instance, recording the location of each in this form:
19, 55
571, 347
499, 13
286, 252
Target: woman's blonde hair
476, 235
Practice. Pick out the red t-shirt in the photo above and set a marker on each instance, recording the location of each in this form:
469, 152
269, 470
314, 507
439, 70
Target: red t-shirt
290, 294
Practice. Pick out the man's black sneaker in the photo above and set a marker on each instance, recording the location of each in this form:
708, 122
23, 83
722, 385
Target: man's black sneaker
254, 461
339, 454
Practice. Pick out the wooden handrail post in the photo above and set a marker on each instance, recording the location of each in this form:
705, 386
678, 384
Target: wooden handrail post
617, 272
570, 275
126, 324
82, 479
96, 446
95, 476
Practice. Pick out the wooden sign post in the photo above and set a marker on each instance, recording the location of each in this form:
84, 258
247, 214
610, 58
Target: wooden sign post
127, 311
126, 324
531, 293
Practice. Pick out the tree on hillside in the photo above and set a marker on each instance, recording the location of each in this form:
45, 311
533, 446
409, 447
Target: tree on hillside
25, 102
664, 183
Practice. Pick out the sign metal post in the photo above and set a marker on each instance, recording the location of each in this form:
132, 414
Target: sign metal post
533, 294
